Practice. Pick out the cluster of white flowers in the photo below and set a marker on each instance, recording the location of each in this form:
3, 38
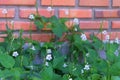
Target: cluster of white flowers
49, 9
31, 16
83, 37
49, 51
87, 67
49, 57
104, 32
15, 54
76, 21
65, 65
4, 11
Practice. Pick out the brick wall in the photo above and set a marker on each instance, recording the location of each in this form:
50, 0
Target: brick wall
90, 13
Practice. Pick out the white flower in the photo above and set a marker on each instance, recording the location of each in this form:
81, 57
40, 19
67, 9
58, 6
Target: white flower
70, 79
33, 48
117, 40
31, 16
82, 71
46, 63
49, 57
111, 41
104, 32
49, 51
15, 54
76, 21
75, 29
116, 52
66, 12
87, 67
65, 65
83, 36
31, 67
87, 54
49, 9
107, 37
4, 11
12, 22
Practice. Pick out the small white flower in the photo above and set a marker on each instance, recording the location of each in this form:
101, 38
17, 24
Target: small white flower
70, 79
107, 37
65, 65
116, 52
87, 55
104, 32
12, 22
31, 67
87, 67
66, 12
31, 16
76, 21
49, 9
33, 48
117, 40
82, 71
49, 51
15, 54
4, 11
75, 29
111, 41
83, 36
49, 57
46, 63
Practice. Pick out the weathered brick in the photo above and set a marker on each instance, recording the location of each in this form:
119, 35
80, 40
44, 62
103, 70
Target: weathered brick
58, 2
93, 24
18, 2
94, 3
17, 26
24, 13
116, 3
114, 13
76, 13
44, 37
10, 13
115, 24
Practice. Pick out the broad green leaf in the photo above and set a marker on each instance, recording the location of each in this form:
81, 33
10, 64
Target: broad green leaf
39, 24
7, 61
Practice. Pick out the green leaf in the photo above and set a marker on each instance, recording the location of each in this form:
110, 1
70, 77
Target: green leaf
47, 73
38, 24
58, 62
7, 61
115, 78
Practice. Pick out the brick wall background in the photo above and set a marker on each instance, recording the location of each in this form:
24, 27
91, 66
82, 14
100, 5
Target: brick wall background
90, 13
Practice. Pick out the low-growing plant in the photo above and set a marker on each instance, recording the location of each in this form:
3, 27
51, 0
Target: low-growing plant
77, 57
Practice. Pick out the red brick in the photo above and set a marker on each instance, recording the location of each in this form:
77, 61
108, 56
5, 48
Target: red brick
107, 13
17, 26
10, 14
44, 37
94, 3
76, 13
24, 13
116, 24
18, 2
116, 3
93, 24
58, 2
